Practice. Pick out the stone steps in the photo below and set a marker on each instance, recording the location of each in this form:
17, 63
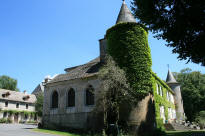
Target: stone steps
176, 127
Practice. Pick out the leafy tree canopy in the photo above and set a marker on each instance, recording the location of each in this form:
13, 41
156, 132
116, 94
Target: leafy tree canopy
180, 22
9, 83
193, 91
39, 105
115, 91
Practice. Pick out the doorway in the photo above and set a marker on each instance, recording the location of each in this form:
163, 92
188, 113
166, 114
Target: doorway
16, 117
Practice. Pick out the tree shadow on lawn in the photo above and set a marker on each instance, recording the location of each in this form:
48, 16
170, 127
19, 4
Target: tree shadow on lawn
185, 133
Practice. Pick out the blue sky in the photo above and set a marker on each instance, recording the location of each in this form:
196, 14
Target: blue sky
43, 37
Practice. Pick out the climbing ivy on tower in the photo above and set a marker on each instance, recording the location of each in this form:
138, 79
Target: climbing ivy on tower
128, 45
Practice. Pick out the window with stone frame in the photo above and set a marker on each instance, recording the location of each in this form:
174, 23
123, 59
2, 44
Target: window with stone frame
90, 96
168, 97
162, 113
6, 104
54, 100
71, 98
161, 92
157, 88
17, 105
26, 106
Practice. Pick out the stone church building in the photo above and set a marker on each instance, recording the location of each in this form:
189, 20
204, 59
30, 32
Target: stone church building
69, 98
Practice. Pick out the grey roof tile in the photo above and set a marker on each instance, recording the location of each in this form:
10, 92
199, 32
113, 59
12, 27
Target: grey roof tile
87, 70
170, 78
17, 96
125, 14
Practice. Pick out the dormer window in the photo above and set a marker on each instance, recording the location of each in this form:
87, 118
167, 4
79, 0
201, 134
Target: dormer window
6, 94
26, 97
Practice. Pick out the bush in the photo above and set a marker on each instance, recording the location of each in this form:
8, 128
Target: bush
8, 120
201, 119
3, 120
32, 122
40, 125
160, 124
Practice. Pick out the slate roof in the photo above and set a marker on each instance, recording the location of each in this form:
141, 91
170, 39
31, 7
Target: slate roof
39, 89
87, 70
17, 96
170, 78
125, 14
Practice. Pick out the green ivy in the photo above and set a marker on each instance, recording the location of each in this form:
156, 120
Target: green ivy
161, 100
128, 45
19, 112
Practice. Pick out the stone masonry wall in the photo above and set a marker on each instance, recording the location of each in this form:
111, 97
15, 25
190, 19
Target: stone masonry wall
75, 117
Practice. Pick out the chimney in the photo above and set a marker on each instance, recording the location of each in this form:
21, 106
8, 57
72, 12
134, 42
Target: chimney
24, 92
103, 47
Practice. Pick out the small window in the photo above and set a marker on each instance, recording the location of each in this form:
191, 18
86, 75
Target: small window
90, 96
17, 105
6, 104
5, 115
26, 106
71, 98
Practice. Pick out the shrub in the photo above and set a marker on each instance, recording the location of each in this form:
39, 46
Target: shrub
32, 122
3, 120
160, 124
8, 120
201, 119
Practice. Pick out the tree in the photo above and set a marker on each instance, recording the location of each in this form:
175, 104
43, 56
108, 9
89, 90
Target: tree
193, 91
115, 92
39, 104
201, 119
180, 22
9, 83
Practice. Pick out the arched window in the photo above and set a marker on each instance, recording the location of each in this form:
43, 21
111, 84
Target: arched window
90, 96
54, 102
71, 98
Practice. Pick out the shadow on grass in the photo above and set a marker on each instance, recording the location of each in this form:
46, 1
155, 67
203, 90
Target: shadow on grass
185, 133
28, 128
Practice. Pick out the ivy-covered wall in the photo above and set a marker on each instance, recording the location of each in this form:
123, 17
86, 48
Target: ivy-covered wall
161, 100
127, 43
29, 113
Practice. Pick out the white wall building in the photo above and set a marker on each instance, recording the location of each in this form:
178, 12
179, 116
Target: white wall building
17, 106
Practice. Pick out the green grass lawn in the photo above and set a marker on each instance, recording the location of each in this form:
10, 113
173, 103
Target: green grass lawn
169, 133
185, 133
59, 133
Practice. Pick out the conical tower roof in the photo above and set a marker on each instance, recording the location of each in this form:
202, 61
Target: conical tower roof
125, 14
170, 78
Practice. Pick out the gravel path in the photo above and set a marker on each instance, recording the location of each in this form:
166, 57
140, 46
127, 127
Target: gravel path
19, 130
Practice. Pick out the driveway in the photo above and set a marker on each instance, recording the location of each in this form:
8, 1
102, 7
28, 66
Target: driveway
19, 130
